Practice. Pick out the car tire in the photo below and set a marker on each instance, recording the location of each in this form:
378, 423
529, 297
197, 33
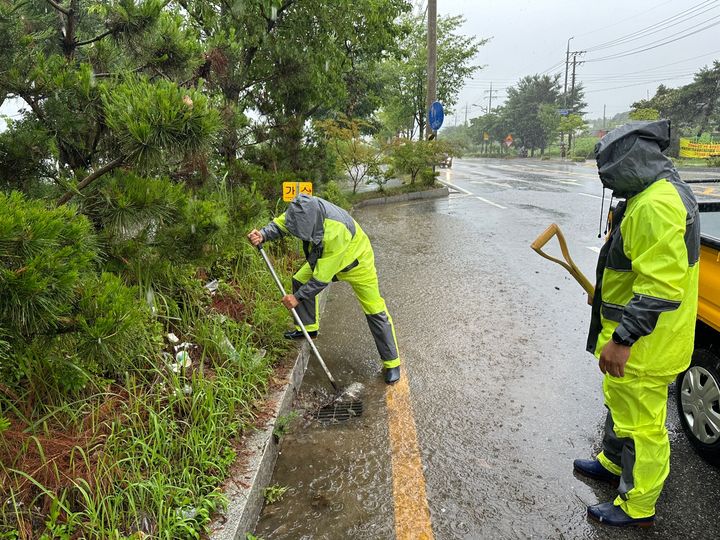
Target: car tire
698, 401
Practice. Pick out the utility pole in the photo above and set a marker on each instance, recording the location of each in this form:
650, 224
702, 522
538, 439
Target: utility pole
604, 116
491, 92
432, 62
572, 92
567, 65
466, 112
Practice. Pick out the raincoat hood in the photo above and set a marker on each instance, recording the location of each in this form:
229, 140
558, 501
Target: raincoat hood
304, 219
629, 158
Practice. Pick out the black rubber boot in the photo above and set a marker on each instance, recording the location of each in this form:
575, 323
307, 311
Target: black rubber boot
297, 334
592, 468
392, 375
609, 514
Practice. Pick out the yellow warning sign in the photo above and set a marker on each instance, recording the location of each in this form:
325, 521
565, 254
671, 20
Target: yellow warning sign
691, 149
293, 189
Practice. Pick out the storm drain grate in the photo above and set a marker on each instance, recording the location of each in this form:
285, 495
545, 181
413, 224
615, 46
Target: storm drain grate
339, 412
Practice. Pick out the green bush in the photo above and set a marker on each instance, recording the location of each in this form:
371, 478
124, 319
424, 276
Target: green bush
427, 176
584, 147
199, 234
115, 330
125, 205
713, 161
413, 157
246, 206
334, 194
44, 255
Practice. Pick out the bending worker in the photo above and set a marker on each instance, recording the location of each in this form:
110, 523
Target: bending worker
336, 248
643, 316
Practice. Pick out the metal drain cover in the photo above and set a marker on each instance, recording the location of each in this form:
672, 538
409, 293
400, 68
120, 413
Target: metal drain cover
339, 412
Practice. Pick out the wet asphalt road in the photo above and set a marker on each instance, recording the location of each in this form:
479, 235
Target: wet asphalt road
503, 392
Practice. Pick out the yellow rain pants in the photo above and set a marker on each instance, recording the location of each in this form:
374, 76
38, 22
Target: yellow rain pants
636, 445
364, 282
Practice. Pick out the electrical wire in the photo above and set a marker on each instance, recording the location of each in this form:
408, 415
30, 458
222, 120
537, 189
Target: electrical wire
591, 91
665, 24
643, 13
654, 44
657, 68
647, 77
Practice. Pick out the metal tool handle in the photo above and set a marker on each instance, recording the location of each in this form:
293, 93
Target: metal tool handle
297, 319
568, 263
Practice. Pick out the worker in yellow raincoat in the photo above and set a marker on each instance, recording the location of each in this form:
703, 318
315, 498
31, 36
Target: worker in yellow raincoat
336, 249
643, 316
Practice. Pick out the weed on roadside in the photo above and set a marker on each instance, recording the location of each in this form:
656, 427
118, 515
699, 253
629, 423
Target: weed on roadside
282, 424
274, 493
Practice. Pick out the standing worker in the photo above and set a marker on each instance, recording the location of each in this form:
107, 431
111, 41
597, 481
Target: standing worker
643, 315
336, 249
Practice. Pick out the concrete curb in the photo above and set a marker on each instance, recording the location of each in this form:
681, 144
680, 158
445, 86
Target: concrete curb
417, 195
245, 489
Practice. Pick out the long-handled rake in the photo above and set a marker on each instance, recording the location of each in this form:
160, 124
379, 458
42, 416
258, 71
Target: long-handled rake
347, 401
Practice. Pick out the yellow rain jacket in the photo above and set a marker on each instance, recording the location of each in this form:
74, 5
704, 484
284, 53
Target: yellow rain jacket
645, 297
648, 269
336, 249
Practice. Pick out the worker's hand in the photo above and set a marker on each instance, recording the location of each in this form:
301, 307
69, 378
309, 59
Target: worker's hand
289, 301
255, 237
613, 359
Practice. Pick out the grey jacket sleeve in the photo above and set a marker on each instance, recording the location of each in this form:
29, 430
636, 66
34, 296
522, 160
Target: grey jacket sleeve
640, 316
271, 232
310, 290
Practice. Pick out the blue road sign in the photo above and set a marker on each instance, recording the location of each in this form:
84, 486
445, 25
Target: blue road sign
436, 115
563, 112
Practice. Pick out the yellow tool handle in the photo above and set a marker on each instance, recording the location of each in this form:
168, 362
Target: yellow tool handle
568, 264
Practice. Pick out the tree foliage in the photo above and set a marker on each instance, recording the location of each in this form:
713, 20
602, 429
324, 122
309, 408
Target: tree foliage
414, 157
530, 110
405, 78
693, 108
360, 159
644, 114
153, 135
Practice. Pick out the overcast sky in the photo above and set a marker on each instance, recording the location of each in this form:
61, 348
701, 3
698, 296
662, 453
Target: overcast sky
531, 37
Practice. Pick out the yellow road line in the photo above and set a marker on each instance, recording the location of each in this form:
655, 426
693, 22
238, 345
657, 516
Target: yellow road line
412, 513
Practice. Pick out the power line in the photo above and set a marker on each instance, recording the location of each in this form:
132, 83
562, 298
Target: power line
661, 67
624, 19
625, 86
644, 81
555, 66
655, 44
649, 76
664, 24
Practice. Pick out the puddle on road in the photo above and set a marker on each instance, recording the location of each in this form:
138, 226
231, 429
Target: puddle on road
338, 474
503, 394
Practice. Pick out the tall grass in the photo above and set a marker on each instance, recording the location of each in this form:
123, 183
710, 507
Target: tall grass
146, 456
